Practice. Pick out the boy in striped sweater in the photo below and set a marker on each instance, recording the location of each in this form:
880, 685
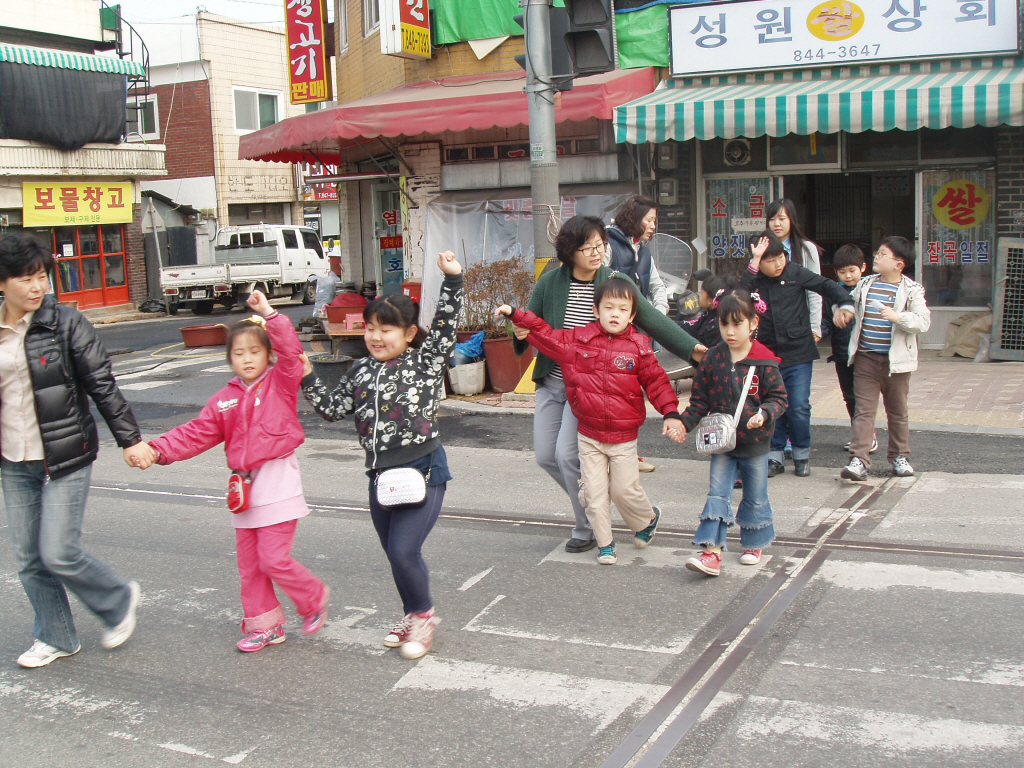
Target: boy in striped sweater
889, 313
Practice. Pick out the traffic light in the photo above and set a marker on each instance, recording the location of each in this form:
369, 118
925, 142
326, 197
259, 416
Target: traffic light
561, 64
590, 40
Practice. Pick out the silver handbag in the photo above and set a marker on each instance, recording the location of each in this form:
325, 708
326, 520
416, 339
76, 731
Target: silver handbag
716, 432
401, 487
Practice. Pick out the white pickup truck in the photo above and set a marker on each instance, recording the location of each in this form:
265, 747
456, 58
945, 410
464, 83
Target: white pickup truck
279, 260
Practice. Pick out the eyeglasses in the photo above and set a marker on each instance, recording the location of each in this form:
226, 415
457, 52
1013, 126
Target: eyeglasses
590, 250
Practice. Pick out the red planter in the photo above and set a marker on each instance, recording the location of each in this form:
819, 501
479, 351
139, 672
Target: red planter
504, 369
204, 335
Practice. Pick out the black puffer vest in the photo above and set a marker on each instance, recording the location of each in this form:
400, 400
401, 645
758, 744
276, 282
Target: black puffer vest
68, 364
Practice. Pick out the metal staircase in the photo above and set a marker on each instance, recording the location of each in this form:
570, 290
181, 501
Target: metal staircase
122, 37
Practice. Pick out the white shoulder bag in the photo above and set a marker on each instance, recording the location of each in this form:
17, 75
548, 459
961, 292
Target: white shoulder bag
716, 432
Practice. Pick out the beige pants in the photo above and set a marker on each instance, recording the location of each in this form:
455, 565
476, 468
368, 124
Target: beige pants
611, 472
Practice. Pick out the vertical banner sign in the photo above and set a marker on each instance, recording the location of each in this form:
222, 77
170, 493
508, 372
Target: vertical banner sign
405, 28
309, 74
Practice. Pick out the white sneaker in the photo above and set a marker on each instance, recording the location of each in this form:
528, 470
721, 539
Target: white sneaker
750, 557
855, 470
420, 636
116, 635
41, 654
901, 467
874, 443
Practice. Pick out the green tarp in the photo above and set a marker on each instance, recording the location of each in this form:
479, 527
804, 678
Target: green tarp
643, 37
456, 21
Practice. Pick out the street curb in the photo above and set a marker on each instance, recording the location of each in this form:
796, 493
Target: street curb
965, 429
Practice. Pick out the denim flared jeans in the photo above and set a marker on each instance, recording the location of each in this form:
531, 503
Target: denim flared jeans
754, 514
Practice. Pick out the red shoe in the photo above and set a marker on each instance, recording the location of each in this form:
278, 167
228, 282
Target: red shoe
420, 635
257, 641
399, 633
706, 562
750, 557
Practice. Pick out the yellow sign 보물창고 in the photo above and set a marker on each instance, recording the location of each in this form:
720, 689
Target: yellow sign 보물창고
58, 204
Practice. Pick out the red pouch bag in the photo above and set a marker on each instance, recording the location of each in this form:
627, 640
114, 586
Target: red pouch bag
239, 488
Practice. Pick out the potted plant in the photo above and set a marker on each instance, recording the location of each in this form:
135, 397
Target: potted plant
488, 285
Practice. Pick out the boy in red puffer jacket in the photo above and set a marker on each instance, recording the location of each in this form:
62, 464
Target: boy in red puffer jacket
608, 365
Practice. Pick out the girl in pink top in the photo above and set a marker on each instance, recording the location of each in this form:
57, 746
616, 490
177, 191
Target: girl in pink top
255, 417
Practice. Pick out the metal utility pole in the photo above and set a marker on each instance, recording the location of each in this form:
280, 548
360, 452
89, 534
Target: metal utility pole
541, 95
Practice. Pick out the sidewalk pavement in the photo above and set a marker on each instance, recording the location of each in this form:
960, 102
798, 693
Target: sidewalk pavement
120, 314
946, 395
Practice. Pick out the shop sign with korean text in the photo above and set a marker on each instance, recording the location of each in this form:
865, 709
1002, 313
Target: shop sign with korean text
735, 211
58, 204
776, 34
309, 76
405, 28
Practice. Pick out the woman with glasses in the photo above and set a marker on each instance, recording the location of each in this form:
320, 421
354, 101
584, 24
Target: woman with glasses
564, 298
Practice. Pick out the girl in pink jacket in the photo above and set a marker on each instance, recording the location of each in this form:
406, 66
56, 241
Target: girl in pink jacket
255, 417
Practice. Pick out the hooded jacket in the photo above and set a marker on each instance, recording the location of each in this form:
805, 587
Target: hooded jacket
395, 401
68, 365
718, 384
256, 423
605, 376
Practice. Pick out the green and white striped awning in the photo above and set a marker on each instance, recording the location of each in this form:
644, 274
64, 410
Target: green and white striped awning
47, 57
906, 96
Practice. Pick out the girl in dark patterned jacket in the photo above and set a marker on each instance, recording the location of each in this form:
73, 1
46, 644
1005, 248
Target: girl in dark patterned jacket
716, 389
394, 395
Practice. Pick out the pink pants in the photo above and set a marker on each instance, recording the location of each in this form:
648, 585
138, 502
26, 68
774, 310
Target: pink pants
264, 558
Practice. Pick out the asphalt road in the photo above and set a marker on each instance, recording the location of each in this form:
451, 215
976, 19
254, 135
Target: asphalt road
882, 628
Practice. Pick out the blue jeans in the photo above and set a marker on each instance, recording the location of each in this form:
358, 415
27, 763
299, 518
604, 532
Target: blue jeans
795, 423
754, 514
402, 533
45, 519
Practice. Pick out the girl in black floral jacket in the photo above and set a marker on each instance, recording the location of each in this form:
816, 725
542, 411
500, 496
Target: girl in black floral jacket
716, 389
394, 395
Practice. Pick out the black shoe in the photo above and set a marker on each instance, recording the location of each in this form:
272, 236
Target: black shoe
579, 545
775, 467
802, 467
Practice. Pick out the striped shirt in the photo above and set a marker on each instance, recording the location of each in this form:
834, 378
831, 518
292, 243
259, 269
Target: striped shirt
579, 311
876, 331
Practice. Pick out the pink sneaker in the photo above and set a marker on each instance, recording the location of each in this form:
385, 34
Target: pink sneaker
257, 641
399, 633
315, 621
706, 562
750, 557
420, 635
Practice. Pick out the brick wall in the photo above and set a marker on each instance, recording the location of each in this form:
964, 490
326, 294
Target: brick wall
135, 258
186, 128
1010, 181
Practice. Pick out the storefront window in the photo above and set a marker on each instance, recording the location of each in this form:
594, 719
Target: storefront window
88, 240
113, 270
112, 238
955, 144
92, 277
882, 148
815, 149
69, 279
736, 209
65, 242
958, 237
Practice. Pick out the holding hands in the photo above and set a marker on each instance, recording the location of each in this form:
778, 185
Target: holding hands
674, 428
140, 455
307, 367
520, 332
842, 317
448, 264
258, 303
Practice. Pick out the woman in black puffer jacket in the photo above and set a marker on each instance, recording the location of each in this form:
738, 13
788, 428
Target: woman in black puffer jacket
51, 364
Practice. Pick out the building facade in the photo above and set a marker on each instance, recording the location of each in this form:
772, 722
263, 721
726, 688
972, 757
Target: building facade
66, 172
214, 80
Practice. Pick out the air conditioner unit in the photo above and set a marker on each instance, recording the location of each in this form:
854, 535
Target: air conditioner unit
1008, 301
736, 151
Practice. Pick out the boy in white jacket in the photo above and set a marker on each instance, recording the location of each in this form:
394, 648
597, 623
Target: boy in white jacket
890, 311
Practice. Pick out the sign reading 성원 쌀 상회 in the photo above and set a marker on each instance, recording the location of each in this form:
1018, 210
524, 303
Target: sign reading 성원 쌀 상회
777, 34
405, 28
58, 204
309, 76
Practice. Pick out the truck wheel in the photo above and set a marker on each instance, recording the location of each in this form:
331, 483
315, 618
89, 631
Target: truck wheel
203, 308
309, 292
172, 309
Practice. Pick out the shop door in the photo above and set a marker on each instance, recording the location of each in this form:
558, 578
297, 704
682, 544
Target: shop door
91, 265
387, 239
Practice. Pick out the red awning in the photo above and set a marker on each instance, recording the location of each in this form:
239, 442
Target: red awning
468, 102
